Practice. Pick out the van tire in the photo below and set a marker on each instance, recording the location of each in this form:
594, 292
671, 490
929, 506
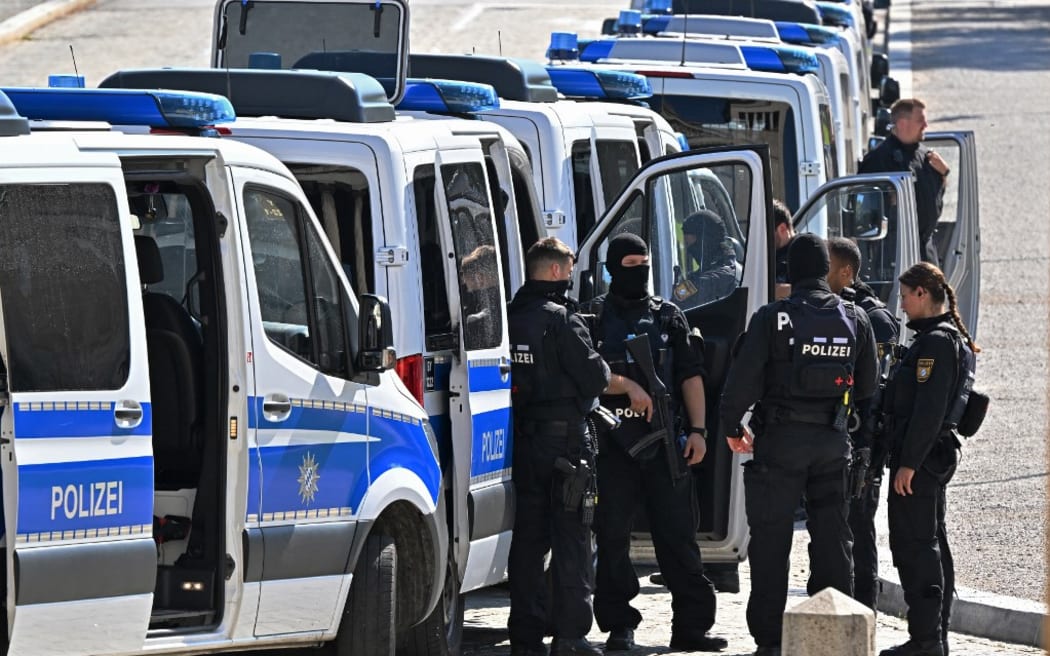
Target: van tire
370, 615
441, 633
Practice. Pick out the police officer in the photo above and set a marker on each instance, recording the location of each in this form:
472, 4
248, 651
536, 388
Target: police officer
647, 479
784, 233
557, 378
711, 251
843, 280
923, 456
903, 151
804, 359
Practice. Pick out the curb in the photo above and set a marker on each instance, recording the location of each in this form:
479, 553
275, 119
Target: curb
21, 25
981, 614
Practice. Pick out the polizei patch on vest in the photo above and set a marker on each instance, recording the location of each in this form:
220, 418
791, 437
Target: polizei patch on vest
924, 369
838, 348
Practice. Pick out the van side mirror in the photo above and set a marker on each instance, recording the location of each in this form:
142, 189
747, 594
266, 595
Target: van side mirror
609, 26
882, 122
889, 91
880, 68
375, 335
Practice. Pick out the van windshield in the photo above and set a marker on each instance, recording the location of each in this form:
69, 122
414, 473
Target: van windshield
712, 122
326, 36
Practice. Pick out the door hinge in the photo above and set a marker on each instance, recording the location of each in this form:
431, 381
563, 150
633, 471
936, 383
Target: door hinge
809, 168
392, 256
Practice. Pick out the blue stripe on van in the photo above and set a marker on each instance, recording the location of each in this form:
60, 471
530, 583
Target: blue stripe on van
493, 442
310, 477
307, 415
58, 419
403, 444
488, 377
92, 494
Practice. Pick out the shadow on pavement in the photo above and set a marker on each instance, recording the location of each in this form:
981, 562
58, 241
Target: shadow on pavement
948, 37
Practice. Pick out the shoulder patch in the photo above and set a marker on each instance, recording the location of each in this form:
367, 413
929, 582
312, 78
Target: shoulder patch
923, 369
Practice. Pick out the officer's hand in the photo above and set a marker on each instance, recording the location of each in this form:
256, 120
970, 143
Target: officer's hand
695, 449
641, 402
902, 481
937, 162
744, 444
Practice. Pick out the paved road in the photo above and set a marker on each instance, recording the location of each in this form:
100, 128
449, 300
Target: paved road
979, 65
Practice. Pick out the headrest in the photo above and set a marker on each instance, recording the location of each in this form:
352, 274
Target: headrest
151, 268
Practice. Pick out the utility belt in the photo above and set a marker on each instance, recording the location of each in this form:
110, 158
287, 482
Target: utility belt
785, 415
553, 427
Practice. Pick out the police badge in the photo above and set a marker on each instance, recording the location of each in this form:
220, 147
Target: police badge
684, 290
924, 369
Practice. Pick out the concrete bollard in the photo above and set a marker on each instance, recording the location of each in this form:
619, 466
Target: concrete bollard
829, 624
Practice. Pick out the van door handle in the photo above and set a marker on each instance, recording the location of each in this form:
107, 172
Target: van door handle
127, 414
276, 407
504, 368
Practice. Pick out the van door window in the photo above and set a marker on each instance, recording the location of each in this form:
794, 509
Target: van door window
527, 210
582, 188
62, 279
617, 163
436, 317
481, 295
300, 301
502, 201
827, 134
340, 198
713, 122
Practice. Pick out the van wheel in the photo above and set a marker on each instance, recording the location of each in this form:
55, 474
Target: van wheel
441, 633
367, 626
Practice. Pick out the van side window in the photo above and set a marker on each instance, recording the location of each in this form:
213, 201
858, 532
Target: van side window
300, 302
617, 163
582, 189
64, 289
481, 295
436, 317
340, 198
527, 211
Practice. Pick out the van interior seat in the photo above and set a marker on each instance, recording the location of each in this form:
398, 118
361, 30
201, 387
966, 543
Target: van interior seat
176, 376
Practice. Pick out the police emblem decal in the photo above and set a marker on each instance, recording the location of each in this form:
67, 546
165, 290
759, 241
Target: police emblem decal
308, 477
924, 369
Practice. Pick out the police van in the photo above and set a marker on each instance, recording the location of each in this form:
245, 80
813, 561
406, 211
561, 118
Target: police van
848, 96
205, 445
416, 216
875, 210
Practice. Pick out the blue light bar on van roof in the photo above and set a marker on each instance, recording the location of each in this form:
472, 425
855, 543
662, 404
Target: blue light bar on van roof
658, 6
833, 14
599, 83
448, 96
158, 109
780, 59
805, 34
629, 22
564, 46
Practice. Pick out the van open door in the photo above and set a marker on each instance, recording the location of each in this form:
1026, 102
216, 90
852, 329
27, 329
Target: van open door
877, 211
479, 381
958, 236
357, 36
76, 448
718, 288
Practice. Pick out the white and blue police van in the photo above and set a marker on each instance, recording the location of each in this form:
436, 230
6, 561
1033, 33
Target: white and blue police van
418, 214
205, 444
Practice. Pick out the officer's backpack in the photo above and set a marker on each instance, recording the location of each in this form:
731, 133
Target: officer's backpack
969, 406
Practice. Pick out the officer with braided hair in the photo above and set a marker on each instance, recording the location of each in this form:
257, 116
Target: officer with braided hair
923, 454
843, 280
803, 360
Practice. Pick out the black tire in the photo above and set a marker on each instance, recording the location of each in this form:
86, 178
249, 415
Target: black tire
441, 634
367, 626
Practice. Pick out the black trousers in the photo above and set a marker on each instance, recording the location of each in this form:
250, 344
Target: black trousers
542, 524
865, 548
792, 459
624, 486
919, 544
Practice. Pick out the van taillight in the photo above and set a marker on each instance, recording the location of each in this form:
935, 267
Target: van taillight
410, 369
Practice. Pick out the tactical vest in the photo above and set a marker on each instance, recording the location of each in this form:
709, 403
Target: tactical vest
541, 389
817, 362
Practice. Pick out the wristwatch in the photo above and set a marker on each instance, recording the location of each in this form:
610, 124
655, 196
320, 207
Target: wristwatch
702, 432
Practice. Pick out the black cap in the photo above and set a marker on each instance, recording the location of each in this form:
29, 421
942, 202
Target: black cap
621, 246
807, 258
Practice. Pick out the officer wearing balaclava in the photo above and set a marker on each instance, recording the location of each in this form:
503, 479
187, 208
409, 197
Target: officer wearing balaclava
803, 363
624, 480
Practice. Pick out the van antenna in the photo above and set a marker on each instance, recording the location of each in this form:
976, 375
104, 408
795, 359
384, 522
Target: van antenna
229, 82
499, 39
75, 71
685, 33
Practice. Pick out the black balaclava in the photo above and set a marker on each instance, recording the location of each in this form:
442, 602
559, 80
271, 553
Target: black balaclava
627, 282
807, 258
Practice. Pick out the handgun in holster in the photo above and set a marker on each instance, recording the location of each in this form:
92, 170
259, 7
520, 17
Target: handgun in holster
576, 488
858, 473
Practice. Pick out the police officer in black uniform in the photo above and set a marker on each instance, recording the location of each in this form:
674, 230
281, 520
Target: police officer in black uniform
920, 401
557, 377
804, 359
785, 232
625, 482
903, 151
843, 280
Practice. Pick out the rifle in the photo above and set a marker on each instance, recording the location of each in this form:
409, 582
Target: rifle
663, 419
867, 467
